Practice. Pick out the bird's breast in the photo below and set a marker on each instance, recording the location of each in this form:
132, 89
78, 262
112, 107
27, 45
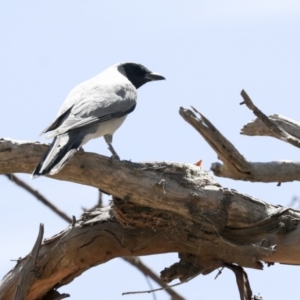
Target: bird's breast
103, 128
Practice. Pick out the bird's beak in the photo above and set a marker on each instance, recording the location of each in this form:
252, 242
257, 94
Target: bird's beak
154, 76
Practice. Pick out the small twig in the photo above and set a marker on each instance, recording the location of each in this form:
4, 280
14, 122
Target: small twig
161, 289
150, 286
73, 221
152, 291
18, 260
100, 199
219, 273
135, 261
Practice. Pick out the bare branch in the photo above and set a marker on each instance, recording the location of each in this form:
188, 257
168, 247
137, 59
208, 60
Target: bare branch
235, 165
258, 128
151, 291
120, 176
191, 209
71, 252
242, 281
135, 261
225, 150
160, 208
279, 132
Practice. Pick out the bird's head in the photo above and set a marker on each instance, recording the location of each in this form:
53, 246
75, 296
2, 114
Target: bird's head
138, 74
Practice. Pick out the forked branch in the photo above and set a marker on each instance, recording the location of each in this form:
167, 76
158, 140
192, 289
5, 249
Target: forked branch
235, 166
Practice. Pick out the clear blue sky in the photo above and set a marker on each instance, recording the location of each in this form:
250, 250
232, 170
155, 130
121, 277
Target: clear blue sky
207, 50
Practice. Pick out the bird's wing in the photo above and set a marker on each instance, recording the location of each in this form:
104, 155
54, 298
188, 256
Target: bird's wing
68, 104
96, 104
58, 121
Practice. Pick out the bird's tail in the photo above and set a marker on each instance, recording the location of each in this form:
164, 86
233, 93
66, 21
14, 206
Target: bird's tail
61, 149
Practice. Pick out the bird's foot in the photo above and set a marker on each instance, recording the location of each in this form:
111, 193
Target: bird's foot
114, 157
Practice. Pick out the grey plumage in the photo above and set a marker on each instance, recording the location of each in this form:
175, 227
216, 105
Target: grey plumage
94, 108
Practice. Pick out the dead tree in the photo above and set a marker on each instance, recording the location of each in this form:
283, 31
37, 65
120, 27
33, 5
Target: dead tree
164, 207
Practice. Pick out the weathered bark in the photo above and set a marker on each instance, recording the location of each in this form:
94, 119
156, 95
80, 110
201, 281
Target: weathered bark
235, 165
158, 208
277, 130
133, 260
258, 128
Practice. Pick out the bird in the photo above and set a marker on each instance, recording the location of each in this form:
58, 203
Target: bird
95, 108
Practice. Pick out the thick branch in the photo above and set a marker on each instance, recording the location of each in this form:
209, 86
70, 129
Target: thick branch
68, 254
161, 208
135, 182
135, 261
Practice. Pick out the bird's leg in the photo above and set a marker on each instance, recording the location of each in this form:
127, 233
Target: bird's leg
114, 153
108, 140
